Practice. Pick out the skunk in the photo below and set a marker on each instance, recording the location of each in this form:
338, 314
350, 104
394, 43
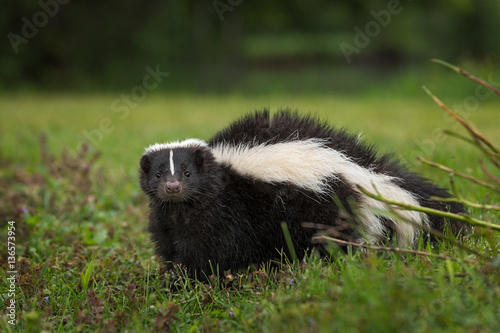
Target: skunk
219, 205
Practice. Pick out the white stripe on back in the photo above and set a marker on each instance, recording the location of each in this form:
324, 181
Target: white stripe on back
309, 164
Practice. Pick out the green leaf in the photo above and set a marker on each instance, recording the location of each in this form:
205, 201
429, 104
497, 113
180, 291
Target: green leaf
86, 277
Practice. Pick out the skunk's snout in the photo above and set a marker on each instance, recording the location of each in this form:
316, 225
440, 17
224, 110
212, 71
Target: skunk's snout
172, 186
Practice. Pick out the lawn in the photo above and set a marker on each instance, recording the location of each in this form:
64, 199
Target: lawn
84, 261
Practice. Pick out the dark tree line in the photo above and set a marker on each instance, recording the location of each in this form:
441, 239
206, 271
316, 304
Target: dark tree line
75, 43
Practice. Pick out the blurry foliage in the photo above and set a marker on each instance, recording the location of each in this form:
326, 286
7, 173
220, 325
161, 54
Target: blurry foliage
108, 44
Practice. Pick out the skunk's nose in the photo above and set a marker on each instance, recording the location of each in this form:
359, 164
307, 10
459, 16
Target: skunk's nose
173, 186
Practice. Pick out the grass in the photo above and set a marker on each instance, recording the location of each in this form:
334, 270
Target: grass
85, 262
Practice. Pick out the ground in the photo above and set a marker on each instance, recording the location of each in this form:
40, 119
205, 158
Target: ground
85, 262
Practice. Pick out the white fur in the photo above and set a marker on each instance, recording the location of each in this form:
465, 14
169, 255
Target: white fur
172, 168
306, 163
309, 164
189, 143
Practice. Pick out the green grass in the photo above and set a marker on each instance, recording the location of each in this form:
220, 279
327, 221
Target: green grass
85, 262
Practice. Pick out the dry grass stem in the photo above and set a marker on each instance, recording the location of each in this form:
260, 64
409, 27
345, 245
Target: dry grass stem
402, 205
476, 135
395, 249
457, 173
463, 72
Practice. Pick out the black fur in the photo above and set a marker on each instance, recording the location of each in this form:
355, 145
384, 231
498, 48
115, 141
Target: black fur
285, 125
220, 220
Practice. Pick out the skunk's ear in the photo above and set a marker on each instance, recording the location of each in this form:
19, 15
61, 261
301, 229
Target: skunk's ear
199, 156
145, 163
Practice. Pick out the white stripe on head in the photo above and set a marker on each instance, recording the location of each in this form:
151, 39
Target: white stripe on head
189, 143
309, 164
172, 169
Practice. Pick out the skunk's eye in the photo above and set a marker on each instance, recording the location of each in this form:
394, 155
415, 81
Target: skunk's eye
158, 175
187, 173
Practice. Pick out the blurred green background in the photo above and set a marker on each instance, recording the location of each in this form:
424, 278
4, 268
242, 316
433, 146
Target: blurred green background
125, 74
244, 46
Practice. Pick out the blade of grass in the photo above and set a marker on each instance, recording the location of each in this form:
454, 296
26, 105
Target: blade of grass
86, 277
289, 243
458, 198
467, 203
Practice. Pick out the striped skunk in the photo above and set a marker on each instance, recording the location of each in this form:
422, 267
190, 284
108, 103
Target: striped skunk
219, 205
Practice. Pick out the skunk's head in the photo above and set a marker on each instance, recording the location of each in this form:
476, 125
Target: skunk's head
174, 172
